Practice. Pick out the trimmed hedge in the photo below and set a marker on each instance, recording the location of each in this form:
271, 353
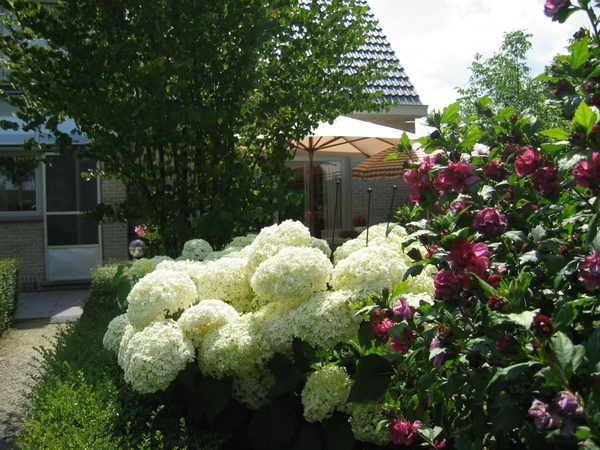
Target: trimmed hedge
9, 271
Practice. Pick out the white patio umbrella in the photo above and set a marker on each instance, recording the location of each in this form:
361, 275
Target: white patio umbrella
345, 137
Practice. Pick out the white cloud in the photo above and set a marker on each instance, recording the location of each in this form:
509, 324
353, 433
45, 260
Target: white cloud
436, 40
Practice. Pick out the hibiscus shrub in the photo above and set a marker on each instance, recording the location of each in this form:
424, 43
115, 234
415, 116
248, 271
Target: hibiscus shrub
508, 355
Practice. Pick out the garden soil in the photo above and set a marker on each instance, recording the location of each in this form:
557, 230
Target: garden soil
18, 364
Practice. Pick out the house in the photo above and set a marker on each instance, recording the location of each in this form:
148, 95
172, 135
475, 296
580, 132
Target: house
40, 204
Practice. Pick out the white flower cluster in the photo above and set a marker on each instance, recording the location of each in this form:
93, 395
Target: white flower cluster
196, 250
158, 294
242, 305
155, 355
272, 239
114, 333
325, 391
208, 315
364, 418
140, 267
368, 270
294, 273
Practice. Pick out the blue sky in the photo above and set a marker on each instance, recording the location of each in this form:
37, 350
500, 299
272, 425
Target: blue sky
436, 40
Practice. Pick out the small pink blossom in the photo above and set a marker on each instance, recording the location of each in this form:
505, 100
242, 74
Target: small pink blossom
490, 222
448, 284
380, 325
495, 170
403, 345
589, 272
469, 256
587, 172
551, 6
546, 178
403, 310
527, 162
455, 177
403, 431
140, 230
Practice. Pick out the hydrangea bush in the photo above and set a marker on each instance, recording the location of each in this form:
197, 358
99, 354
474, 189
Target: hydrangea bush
270, 321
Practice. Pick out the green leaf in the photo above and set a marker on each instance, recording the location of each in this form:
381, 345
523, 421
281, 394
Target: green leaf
580, 52
451, 113
510, 373
213, 395
563, 352
371, 380
585, 117
308, 438
272, 427
563, 316
413, 271
557, 133
592, 347
524, 319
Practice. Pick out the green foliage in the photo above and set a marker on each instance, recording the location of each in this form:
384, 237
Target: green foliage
511, 337
194, 105
81, 401
505, 80
9, 272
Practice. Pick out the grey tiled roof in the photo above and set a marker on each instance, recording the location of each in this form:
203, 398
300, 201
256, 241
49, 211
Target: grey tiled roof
396, 86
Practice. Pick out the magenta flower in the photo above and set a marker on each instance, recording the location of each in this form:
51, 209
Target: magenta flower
418, 180
587, 172
490, 222
551, 6
455, 177
495, 170
380, 326
403, 310
402, 345
448, 284
440, 357
589, 272
403, 431
140, 230
527, 162
569, 405
507, 345
546, 178
469, 256
543, 417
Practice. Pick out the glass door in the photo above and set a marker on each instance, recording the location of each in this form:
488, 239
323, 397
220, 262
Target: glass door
325, 174
72, 242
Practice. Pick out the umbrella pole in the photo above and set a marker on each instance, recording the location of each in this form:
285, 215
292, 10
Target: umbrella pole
369, 191
387, 230
311, 191
337, 191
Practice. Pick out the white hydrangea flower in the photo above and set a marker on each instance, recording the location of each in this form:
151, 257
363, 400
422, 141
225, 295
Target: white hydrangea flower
156, 260
364, 418
325, 319
140, 267
294, 273
275, 322
195, 250
158, 294
208, 315
241, 241
250, 388
347, 248
171, 264
114, 333
155, 356
225, 279
368, 270
422, 283
270, 240
415, 300
225, 253
325, 390
322, 245
233, 348
127, 335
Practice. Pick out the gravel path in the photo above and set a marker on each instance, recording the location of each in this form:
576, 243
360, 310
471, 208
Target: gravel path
17, 364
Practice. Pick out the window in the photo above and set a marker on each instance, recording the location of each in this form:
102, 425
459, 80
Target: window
20, 194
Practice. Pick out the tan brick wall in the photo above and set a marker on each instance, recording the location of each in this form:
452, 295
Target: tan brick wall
114, 235
24, 240
381, 198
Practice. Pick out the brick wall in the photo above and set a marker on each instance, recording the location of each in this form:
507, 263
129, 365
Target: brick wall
381, 197
24, 240
114, 235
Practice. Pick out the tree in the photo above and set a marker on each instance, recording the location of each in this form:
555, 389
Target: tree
194, 105
506, 81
